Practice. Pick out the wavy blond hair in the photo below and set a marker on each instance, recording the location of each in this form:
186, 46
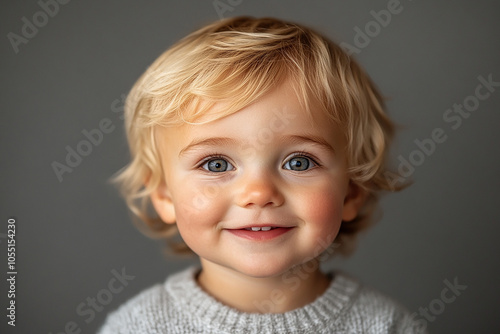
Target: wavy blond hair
237, 61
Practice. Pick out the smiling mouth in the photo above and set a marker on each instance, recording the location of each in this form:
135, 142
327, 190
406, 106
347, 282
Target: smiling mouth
255, 229
260, 233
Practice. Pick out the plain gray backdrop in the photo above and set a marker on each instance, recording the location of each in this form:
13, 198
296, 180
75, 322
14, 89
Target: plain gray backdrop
74, 234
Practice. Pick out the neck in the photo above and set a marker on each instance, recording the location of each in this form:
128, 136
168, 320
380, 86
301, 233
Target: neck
285, 292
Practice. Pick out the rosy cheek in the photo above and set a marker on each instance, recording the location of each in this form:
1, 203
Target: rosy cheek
323, 208
197, 207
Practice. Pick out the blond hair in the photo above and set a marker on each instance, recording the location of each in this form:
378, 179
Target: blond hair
237, 61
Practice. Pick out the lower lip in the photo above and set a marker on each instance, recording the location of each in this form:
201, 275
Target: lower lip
261, 235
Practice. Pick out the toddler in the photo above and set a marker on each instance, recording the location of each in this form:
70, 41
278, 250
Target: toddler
262, 144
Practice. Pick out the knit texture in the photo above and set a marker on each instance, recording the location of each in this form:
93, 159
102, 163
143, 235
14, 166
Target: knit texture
181, 306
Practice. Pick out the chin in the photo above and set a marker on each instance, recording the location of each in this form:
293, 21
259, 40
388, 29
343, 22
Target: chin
259, 269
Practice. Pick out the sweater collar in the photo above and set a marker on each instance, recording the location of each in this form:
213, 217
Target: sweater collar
206, 311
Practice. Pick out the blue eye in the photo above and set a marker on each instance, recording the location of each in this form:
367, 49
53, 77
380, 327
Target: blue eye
299, 164
217, 165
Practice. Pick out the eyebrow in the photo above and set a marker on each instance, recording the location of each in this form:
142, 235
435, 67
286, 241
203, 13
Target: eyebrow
215, 141
311, 139
224, 141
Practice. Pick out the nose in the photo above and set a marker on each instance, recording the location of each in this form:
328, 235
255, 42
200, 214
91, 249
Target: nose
260, 190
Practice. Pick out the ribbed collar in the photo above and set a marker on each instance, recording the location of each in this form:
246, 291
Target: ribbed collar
205, 310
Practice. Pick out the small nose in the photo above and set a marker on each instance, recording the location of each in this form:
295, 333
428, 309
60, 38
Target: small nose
258, 189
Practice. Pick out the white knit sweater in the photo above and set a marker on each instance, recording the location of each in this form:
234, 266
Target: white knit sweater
181, 306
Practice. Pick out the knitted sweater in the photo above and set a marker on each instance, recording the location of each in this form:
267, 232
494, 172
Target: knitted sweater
181, 306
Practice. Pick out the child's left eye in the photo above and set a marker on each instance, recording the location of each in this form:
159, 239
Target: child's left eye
299, 163
217, 165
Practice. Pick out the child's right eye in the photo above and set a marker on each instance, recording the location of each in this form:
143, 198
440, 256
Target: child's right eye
217, 165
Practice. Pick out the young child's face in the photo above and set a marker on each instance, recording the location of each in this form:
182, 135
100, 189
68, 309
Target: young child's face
268, 165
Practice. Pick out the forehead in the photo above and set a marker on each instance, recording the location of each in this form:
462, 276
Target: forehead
277, 114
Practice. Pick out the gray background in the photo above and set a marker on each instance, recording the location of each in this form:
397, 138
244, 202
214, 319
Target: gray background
72, 234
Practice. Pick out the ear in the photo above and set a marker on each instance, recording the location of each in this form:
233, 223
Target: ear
163, 204
356, 197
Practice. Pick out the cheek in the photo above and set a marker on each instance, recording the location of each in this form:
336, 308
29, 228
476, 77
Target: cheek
195, 217
322, 207
197, 207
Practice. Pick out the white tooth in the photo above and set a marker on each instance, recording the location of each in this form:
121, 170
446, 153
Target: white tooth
267, 228
255, 228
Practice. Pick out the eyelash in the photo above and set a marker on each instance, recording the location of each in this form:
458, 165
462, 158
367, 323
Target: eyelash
214, 156
304, 155
211, 156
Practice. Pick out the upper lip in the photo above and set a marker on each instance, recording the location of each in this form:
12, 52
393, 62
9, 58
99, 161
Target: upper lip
258, 225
